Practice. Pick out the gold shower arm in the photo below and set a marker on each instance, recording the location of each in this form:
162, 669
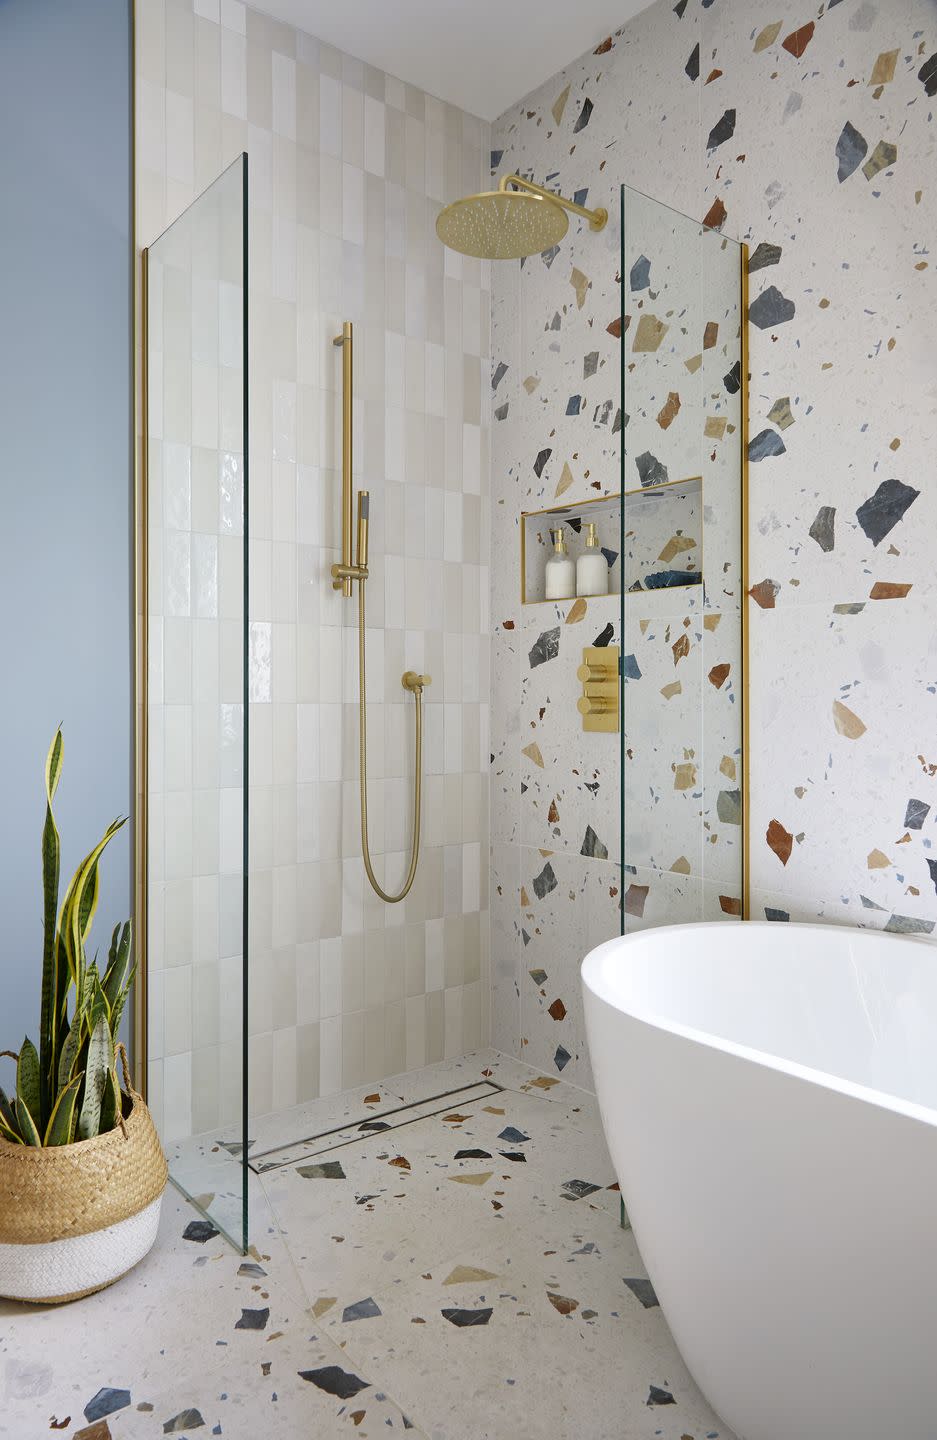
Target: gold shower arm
597, 218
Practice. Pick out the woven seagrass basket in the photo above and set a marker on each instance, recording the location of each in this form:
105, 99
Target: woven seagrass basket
74, 1218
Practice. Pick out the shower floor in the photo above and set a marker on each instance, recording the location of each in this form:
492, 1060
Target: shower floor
440, 1253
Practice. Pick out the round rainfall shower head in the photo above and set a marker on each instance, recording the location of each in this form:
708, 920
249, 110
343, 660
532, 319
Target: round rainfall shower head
502, 224
506, 224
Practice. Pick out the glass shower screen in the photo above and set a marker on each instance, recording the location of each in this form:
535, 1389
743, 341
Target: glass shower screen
683, 568
195, 292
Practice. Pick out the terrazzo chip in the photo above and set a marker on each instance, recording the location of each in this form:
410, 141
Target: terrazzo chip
851, 150
879, 515
464, 1318
185, 1420
106, 1402
253, 1320
343, 1384
327, 1170
361, 1310
199, 1231
643, 1290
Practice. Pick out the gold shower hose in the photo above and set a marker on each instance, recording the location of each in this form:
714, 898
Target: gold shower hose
413, 682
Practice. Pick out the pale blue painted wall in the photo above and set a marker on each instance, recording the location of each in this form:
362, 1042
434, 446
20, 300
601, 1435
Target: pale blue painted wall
65, 461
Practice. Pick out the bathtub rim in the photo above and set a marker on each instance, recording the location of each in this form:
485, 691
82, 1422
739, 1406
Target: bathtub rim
597, 984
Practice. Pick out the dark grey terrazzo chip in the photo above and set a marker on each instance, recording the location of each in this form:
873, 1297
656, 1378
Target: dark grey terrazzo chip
916, 813
468, 1317
199, 1231
723, 130
763, 255
879, 515
335, 1381
822, 529
327, 1170
253, 1319
651, 471
643, 1290
592, 845
578, 1189
851, 150
185, 1420
544, 882
106, 1402
546, 647
771, 308
766, 445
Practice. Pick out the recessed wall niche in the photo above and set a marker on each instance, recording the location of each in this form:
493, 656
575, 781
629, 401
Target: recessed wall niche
537, 544
662, 536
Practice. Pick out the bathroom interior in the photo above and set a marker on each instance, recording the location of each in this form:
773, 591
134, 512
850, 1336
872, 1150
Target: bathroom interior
497, 462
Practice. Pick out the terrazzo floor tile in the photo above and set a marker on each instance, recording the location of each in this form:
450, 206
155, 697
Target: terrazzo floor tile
462, 1278
197, 1336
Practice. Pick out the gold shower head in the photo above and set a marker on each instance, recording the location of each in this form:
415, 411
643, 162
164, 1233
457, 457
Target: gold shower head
505, 224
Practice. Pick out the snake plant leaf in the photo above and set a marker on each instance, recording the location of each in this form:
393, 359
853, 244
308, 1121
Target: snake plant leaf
100, 1061
26, 1125
10, 1133
51, 998
27, 1080
81, 900
69, 1052
116, 979
117, 1009
7, 1117
61, 1124
98, 1006
110, 1103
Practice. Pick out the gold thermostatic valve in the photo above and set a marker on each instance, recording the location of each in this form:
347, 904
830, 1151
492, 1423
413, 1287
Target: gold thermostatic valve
599, 674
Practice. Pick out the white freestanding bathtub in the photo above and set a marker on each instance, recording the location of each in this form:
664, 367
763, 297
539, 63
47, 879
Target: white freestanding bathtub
769, 1097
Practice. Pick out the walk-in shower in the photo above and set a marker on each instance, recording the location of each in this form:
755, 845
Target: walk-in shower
339, 901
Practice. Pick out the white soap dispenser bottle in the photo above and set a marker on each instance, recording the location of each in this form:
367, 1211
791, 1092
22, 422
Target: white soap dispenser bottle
592, 566
559, 579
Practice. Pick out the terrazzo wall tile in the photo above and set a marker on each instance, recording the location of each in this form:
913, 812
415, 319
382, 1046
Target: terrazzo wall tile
567, 906
347, 170
569, 787
813, 139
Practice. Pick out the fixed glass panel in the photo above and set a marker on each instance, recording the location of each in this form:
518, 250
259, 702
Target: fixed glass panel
683, 476
196, 549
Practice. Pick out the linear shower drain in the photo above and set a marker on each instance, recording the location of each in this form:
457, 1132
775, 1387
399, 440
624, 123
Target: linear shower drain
374, 1122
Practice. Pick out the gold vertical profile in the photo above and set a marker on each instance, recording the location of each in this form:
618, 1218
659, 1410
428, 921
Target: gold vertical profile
138, 339
346, 342
744, 599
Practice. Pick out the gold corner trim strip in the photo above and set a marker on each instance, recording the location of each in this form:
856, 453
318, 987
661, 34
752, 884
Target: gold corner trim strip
140, 1046
745, 600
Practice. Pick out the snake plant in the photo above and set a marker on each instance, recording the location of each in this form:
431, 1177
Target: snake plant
68, 1089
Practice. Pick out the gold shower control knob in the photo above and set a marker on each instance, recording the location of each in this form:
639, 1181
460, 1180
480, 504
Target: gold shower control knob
597, 673
597, 705
410, 680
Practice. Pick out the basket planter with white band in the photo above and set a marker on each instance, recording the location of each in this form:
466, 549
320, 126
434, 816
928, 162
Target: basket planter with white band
74, 1218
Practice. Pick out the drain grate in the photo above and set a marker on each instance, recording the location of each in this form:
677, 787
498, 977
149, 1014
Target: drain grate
355, 1132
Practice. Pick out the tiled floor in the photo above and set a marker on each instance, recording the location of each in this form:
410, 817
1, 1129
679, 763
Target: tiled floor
463, 1276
